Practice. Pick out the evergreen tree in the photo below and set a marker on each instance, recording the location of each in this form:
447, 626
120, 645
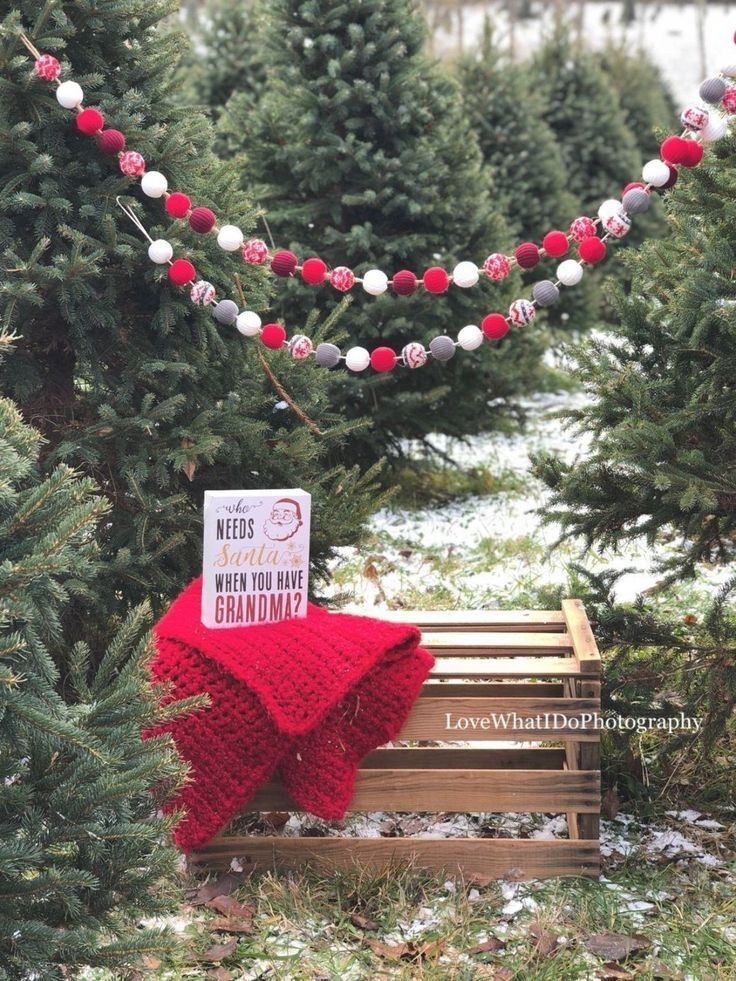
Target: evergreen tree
82, 852
361, 152
507, 112
125, 378
663, 412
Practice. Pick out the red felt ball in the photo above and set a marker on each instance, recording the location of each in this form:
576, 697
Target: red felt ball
527, 255
111, 141
631, 186
695, 151
284, 263
313, 271
202, 220
178, 204
90, 121
383, 359
181, 271
404, 282
273, 336
555, 244
592, 250
435, 280
674, 149
671, 181
494, 326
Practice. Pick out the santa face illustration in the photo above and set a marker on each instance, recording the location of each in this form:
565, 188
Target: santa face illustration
284, 521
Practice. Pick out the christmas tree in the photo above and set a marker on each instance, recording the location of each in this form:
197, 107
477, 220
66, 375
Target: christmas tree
360, 152
82, 853
124, 376
663, 412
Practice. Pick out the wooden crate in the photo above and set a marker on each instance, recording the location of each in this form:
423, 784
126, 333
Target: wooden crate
488, 663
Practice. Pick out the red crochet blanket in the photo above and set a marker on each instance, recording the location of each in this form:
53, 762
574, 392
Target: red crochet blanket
306, 697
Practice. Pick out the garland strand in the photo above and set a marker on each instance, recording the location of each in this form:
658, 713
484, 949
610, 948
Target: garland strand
701, 125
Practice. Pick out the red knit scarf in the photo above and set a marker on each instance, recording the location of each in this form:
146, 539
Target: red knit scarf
307, 697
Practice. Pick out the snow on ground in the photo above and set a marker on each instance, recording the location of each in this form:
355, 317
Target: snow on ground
667, 31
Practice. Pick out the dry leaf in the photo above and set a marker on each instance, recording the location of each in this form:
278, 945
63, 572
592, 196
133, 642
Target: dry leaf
616, 946
659, 969
493, 943
362, 922
546, 943
612, 972
151, 962
393, 952
218, 952
222, 886
190, 466
275, 819
219, 974
231, 924
609, 803
229, 906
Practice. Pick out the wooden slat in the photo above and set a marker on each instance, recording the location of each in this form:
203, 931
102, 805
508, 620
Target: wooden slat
497, 791
500, 644
584, 645
428, 719
494, 857
488, 620
513, 667
522, 758
501, 689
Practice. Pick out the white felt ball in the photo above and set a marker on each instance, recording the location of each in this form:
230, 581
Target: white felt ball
357, 359
570, 272
248, 323
470, 337
729, 70
375, 282
230, 238
160, 251
465, 274
716, 129
656, 173
609, 208
154, 184
69, 95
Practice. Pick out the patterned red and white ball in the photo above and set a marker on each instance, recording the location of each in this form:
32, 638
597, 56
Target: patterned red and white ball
465, 274
522, 312
48, 68
618, 224
470, 337
255, 251
300, 347
132, 164
414, 355
202, 292
610, 207
248, 323
342, 278
160, 251
497, 266
375, 282
694, 117
582, 228
357, 359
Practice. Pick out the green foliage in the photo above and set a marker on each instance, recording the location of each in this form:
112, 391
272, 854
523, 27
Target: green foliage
125, 378
662, 417
360, 149
82, 851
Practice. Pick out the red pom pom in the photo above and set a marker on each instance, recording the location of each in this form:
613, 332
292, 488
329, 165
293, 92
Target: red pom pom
404, 282
695, 151
273, 336
284, 263
592, 250
111, 141
178, 204
383, 359
435, 280
313, 271
494, 326
675, 149
527, 255
631, 186
202, 220
555, 244
181, 271
671, 181
90, 121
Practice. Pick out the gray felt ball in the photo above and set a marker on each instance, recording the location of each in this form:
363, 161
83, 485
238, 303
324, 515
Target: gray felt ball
636, 201
545, 293
226, 312
327, 355
712, 90
442, 348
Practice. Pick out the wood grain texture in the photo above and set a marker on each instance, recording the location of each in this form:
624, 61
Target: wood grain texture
468, 643
439, 757
583, 640
512, 667
498, 689
497, 858
434, 620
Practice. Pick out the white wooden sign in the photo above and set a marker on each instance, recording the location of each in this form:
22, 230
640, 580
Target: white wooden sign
255, 566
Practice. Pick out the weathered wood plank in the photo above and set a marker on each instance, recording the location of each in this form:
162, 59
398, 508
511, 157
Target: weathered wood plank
488, 620
584, 643
468, 643
494, 857
442, 758
490, 791
501, 667
501, 689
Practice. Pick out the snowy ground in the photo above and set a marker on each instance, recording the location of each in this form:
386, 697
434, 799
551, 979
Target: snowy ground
669, 32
